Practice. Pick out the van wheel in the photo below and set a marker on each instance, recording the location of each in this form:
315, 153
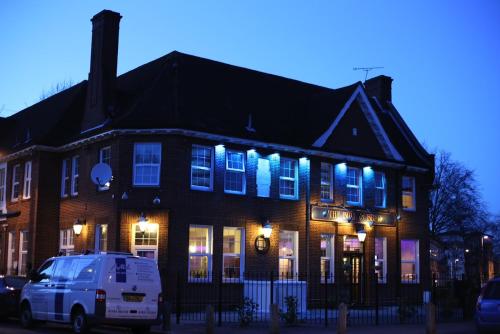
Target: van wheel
141, 329
79, 321
26, 316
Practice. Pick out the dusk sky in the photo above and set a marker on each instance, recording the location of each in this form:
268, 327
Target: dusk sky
444, 56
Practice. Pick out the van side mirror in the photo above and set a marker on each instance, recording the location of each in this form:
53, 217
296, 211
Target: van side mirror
35, 276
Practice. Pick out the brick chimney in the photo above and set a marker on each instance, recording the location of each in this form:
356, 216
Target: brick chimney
102, 76
380, 87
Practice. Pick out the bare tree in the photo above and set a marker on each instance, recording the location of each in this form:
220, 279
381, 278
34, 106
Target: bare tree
457, 206
59, 87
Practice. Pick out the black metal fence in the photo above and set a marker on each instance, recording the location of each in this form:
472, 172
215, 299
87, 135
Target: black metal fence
314, 299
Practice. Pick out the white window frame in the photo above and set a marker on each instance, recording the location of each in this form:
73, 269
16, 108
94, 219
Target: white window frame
27, 180
294, 257
383, 189
10, 252
295, 179
75, 175
235, 170
383, 279
137, 248
3, 188
65, 178
324, 183
359, 187
66, 241
241, 255
16, 182
209, 255
409, 193
416, 262
23, 236
101, 160
211, 169
99, 241
331, 276
151, 184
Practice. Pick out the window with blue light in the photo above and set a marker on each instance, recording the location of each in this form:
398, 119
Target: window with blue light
326, 182
234, 179
288, 179
201, 168
380, 190
354, 186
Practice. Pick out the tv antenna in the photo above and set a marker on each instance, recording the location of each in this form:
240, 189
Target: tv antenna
366, 69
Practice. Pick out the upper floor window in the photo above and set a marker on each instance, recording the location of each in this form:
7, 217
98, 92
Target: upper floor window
234, 181
201, 167
380, 190
288, 178
354, 186
105, 158
233, 253
3, 188
16, 178
326, 182
147, 162
408, 192
75, 174
27, 180
65, 181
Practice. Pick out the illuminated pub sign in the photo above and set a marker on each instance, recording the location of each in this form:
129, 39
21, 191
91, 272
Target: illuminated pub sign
341, 215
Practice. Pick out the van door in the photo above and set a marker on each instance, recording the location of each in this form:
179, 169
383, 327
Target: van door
132, 288
59, 299
40, 291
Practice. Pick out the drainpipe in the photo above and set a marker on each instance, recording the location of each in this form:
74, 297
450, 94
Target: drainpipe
308, 217
398, 246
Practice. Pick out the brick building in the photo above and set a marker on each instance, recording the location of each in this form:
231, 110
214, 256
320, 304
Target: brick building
206, 157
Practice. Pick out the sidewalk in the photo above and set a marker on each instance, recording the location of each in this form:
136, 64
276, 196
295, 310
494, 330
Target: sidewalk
450, 328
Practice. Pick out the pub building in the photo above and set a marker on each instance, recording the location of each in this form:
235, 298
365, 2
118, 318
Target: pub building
217, 170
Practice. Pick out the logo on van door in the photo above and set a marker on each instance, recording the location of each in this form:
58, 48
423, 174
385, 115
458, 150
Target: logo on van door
121, 270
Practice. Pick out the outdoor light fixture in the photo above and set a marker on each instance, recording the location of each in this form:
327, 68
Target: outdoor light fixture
142, 222
78, 226
467, 250
361, 235
485, 237
267, 229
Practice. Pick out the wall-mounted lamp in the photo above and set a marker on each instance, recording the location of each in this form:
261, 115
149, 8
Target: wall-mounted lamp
156, 200
360, 230
142, 222
78, 226
267, 229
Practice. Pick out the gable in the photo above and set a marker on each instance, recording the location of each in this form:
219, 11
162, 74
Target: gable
366, 115
364, 143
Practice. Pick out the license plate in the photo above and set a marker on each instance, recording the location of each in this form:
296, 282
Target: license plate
133, 298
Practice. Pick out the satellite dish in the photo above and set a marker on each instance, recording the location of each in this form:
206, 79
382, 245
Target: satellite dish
101, 174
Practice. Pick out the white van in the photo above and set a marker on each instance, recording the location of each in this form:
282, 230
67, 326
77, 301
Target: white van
88, 290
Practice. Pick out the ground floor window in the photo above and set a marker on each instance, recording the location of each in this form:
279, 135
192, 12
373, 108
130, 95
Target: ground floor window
288, 254
200, 252
327, 256
23, 252
66, 241
381, 259
233, 253
409, 261
101, 237
352, 244
145, 244
11, 263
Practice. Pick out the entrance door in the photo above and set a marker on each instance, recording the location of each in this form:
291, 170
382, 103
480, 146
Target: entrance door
353, 264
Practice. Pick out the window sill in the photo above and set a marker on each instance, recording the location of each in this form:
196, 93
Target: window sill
197, 188
207, 280
409, 209
286, 198
146, 185
234, 192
